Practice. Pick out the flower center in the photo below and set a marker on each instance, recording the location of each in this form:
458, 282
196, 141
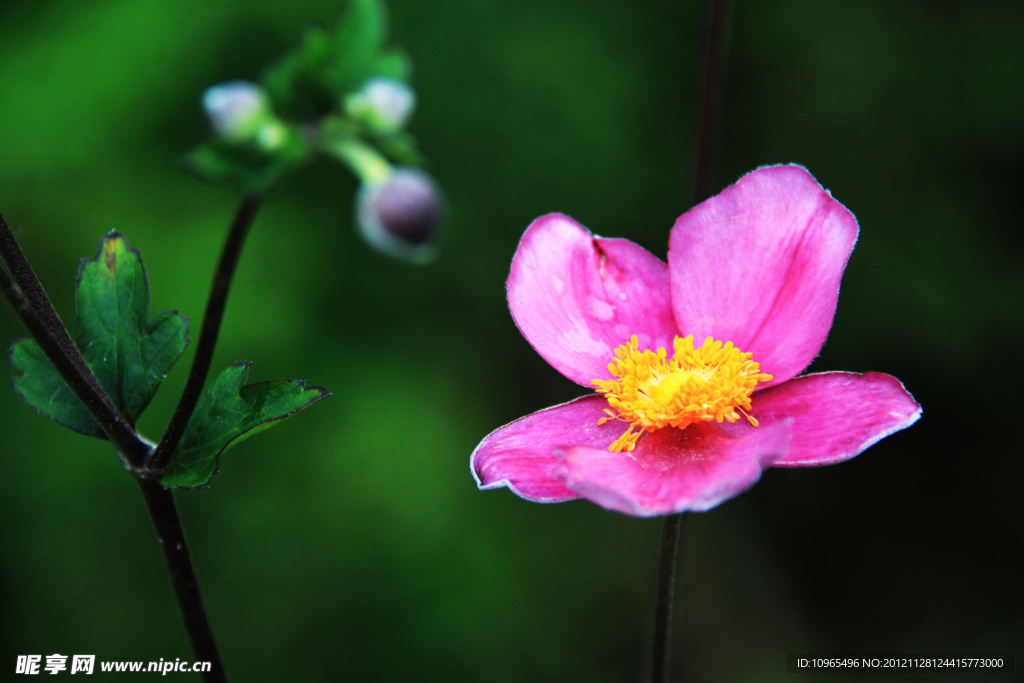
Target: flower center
711, 382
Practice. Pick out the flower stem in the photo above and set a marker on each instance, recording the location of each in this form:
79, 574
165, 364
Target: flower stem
671, 540
26, 295
164, 513
23, 289
705, 148
709, 98
212, 319
364, 161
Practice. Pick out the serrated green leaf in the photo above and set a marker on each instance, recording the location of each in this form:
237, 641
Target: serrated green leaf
229, 412
128, 353
40, 386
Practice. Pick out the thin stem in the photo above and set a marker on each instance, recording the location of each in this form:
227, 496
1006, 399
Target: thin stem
215, 305
164, 514
364, 160
709, 98
705, 148
668, 569
35, 310
30, 302
160, 501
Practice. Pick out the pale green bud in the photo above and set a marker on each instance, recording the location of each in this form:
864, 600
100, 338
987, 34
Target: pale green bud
240, 112
384, 105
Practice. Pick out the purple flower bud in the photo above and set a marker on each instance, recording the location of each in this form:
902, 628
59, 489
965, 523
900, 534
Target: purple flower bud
401, 215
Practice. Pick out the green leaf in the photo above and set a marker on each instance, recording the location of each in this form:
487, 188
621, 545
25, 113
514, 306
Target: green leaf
357, 43
310, 82
129, 354
40, 386
229, 412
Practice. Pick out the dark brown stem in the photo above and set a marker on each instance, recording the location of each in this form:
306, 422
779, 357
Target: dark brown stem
23, 290
164, 513
705, 148
215, 305
33, 307
709, 99
668, 569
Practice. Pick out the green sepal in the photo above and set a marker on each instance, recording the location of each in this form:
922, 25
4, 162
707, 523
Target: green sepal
393, 64
229, 412
129, 354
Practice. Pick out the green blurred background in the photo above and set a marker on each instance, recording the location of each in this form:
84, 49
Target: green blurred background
350, 542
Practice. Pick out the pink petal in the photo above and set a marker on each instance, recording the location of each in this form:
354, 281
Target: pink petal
575, 297
759, 265
672, 470
835, 415
520, 455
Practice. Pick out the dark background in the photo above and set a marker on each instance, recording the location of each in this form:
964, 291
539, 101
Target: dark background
350, 542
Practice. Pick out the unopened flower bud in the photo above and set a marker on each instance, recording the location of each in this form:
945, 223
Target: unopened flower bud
383, 104
239, 111
401, 215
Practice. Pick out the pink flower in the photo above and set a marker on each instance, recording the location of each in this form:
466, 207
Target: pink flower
694, 364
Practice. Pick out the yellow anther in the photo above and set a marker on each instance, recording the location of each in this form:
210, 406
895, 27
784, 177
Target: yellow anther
711, 382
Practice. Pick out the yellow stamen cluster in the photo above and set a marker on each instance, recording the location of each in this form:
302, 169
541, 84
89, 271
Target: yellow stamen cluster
711, 382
